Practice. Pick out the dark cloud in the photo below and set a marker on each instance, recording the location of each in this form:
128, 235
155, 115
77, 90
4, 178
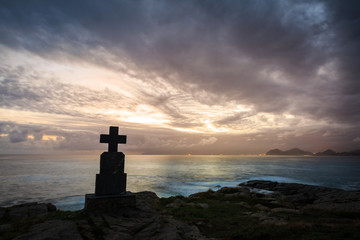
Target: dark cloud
14, 133
234, 118
17, 136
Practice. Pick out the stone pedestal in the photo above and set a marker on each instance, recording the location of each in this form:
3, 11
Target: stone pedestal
109, 203
110, 186
112, 179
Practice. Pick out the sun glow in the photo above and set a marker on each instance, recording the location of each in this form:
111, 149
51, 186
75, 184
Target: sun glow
209, 125
52, 138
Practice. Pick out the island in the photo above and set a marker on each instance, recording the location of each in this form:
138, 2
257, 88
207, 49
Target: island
299, 152
293, 151
252, 210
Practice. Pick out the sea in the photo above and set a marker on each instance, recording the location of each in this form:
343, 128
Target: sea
65, 179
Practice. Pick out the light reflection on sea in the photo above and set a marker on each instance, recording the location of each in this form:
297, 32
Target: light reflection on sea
64, 180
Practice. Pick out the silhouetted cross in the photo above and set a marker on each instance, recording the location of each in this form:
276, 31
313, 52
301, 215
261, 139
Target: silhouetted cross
113, 139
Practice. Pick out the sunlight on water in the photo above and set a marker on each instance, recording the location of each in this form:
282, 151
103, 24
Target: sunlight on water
64, 180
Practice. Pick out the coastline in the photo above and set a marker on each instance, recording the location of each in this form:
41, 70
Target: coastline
279, 211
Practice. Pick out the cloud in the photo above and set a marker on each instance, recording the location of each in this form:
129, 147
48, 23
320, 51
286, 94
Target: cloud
15, 133
208, 141
24, 89
265, 53
17, 136
185, 65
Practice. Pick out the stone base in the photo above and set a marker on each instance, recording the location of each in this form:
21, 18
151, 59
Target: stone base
112, 184
109, 203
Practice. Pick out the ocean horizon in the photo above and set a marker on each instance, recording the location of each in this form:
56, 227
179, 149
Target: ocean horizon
65, 179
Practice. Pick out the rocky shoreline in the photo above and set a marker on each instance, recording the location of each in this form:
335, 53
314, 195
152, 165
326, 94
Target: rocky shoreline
283, 211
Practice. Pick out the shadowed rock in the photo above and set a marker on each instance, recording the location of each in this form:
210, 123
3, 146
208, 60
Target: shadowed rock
312, 196
27, 210
55, 229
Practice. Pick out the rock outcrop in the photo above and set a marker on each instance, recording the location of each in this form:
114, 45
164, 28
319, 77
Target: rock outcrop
27, 210
312, 196
146, 221
252, 210
54, 229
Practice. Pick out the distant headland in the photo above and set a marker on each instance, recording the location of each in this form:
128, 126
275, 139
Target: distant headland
297, 151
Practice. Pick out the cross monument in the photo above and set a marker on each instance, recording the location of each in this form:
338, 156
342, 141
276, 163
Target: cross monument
110, 184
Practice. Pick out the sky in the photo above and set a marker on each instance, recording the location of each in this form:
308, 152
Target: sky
179, 77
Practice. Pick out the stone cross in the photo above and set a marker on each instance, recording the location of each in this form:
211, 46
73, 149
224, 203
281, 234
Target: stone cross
113, 139
110, 184
112, 178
